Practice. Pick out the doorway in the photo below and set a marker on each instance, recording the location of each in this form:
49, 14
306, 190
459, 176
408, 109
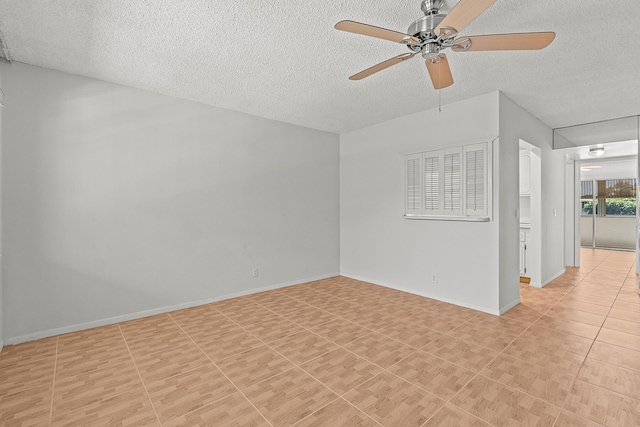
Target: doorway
530, 176
608, 204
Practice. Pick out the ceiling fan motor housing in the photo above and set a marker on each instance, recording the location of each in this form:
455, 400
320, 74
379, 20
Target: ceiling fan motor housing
424, 28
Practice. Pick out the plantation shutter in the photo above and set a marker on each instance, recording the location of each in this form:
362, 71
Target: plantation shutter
414, 185
453, 181
475, 170
432, 182
449, 184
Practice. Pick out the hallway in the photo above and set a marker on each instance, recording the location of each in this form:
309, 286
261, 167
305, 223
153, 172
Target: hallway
593, 310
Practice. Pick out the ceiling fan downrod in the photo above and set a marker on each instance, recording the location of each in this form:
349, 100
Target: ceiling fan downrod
431, 7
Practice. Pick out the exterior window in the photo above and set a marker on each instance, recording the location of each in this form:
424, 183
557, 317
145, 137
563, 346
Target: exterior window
618, 196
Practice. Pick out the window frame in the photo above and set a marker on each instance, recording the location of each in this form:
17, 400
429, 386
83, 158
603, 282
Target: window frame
461, 211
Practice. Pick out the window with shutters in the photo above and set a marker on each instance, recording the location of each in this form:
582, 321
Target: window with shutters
450, 184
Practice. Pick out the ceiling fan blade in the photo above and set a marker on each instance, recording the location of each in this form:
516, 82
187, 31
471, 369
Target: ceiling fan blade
440, 72
371, 31
381, 66
463, 14
518, 41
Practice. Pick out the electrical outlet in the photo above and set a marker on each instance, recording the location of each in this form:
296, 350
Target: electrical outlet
254, 272
434, 278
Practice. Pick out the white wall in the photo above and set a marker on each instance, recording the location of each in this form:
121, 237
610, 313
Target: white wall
119, 202
377, 244
515, 124
611, 232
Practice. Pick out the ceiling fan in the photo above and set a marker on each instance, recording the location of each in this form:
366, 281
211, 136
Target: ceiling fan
434, 32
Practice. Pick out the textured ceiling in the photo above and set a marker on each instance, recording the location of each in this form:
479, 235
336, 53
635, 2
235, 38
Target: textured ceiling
282, 59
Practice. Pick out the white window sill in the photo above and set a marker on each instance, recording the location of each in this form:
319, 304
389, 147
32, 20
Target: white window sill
449, 218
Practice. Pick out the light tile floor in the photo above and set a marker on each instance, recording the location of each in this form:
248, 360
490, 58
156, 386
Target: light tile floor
343, 352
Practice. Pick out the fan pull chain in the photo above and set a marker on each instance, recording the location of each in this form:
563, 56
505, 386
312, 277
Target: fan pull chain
439, 90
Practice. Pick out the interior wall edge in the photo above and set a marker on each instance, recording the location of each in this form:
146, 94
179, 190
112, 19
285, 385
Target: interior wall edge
427, 295
552, 278
161, 310
509, 306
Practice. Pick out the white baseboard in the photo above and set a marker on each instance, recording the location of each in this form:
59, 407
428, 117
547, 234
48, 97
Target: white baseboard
535, 284
509, 306
132, 316
425, 294
558, 274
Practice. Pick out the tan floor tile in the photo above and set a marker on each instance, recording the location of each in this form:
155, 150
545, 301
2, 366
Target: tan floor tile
602, 406
209, 321
252, 366
337, 306
341, 331
467, 355
273, 329
616, 355
379, 349
523, 313
159, 341
91, 358
28, 352
232, 411
584, 306
606, 302
338, 413
302, 346
368, 318
622, 326
128, 409
392, 401
576, 315
176, 360
184, 393
410, 333
612, 377
195, 315
234, 304
627, 315
284, 305
75, 391
452, 416
629, 306
500, 405
96, 337
212, 329
433, 374
546, 355
558, 339
253, 314
568, 326
24, 376
546, 384
442, 323
289, 397
311, 317
231, 343
26, 408
567, 419
621, 339
147, 326
496, 338
341, 370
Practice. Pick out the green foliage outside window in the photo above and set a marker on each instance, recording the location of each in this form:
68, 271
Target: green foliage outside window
621, 207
